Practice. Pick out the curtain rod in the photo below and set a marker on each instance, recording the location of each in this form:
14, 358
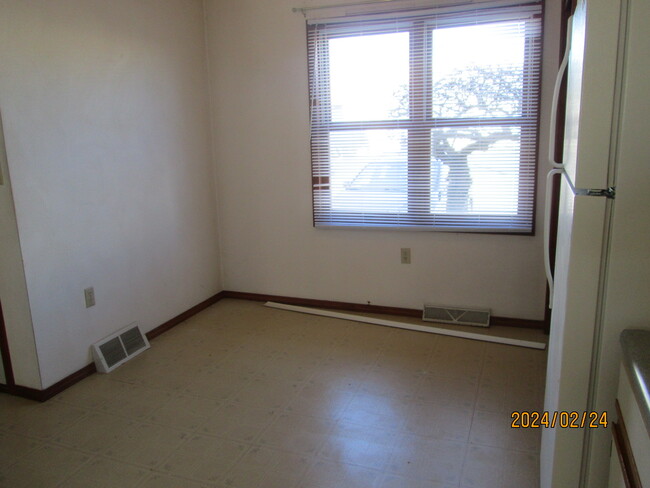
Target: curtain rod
350, 4
435, 3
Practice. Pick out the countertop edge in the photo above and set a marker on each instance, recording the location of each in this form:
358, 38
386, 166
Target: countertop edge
635, 344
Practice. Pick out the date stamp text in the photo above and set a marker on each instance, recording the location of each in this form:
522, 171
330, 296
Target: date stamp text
564, 420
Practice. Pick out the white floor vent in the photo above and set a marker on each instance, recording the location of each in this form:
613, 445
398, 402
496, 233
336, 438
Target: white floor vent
118, 348
460, 316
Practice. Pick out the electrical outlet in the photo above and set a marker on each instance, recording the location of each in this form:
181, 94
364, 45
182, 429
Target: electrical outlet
89, 294
405, 255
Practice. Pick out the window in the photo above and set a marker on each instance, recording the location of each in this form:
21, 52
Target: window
426, 120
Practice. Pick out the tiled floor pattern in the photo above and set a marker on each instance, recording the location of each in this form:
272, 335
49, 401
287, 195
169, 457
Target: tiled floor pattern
243, 396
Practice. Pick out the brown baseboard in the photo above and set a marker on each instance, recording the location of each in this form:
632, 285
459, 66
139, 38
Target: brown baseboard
518, 323
68, 381
55, 389
309, 302
153, 333
365, 308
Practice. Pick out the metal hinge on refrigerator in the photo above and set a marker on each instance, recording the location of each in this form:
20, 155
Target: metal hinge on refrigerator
607, 193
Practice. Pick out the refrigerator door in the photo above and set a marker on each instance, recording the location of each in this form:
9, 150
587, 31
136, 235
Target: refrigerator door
591, 85
578, 268
627, 297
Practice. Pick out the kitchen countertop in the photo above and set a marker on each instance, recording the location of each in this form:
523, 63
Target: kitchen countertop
636, 359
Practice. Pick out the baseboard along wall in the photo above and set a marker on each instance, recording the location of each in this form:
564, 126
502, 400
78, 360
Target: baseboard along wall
67, 382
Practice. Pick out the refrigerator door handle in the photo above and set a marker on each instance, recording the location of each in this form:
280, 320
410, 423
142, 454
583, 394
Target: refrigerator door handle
547, 232
556, 96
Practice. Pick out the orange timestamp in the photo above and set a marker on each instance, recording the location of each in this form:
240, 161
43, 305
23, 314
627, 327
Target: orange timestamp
564, 420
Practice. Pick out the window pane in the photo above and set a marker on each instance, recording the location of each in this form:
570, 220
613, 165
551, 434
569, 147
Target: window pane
477, 71
426, 119
368, 171
369, 77
475, 171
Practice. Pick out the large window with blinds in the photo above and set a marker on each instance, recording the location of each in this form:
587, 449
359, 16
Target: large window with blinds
426, 120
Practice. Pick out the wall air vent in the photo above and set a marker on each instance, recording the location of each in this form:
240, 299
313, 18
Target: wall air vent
118, 348
455, 315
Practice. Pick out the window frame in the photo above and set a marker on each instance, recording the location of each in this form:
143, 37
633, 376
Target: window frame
419, 125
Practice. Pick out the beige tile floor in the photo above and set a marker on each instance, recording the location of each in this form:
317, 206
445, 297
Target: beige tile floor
244, 396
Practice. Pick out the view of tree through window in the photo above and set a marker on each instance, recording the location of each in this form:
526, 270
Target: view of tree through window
427, 121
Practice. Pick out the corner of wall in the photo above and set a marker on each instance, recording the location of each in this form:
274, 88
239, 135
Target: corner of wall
209, 67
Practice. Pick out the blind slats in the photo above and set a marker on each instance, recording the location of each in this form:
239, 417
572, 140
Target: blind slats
426, 121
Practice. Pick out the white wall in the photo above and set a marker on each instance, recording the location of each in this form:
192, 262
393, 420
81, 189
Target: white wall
257, 51
107, 129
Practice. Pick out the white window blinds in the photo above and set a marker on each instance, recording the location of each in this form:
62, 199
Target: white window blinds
427, 119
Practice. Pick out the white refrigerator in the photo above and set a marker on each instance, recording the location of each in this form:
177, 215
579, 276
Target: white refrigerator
602, 269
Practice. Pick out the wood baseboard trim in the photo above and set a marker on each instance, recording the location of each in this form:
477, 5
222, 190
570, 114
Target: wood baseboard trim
364, 308
161, 329
309, 302
519, 323
67, 382
461, 332
55, 389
